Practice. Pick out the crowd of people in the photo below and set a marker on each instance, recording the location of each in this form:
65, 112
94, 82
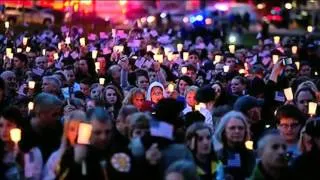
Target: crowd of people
157, 105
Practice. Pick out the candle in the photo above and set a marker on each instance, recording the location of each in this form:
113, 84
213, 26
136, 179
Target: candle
249, 145
184, 70
166, 51
118, 48
101, 81
15, 135
241, 71
275, 58
43, 52
288, 93
19, 50
82, 41
6, 24
246, 66
68, 40
149, 48
55, 56
84, 133
24, 41
171, 87
30, 106
185, 56
179, 47
312, 108
28, 49
310, 29
232, 48
94, 54
170, 56
8, 51
59, 45
31, 84
10, 55
158, 57
298, 65
97, 66
225, 69
276, 39
217, 59
294, 49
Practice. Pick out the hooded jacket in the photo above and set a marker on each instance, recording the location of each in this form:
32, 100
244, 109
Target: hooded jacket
152, 85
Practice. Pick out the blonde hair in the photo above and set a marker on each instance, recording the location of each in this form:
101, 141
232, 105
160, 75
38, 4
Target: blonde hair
128, 99
218, 139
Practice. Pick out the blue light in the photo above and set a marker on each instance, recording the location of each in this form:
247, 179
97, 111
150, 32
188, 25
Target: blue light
199, 18
192, 19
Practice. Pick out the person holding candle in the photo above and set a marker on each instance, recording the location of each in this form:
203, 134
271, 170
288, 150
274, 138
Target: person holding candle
46, 125
17, 155
229, 142
198, 139
137, 97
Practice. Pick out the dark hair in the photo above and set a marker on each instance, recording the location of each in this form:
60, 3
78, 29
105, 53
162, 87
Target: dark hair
141, 72
22, 57
290, 111
2, 84
242, 80
190, 67
99, 114
13, 114
205, 94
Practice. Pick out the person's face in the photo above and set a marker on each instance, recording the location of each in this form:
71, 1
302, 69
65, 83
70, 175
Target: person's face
236, 86
203, 142
192, 74
305, 71
194, 59
5, 127
41, 63
122, 125
90, 105
156, 94
231, 62
47, 86
254, 114
72, 131
273, 154
95, 93
111, 96
217, 90
303, 99
85, 89
289, 129
70, 76
50, 56
50, 117
218, 68
10, 80
138, 100
191, 98
182, 86
174, 176
101, 134
235, 131
83, 66
142, 82
152, 76
17, 63
289, 72
138, 132
115, 73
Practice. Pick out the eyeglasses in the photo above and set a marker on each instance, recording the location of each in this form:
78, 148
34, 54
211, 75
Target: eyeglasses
292, 126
